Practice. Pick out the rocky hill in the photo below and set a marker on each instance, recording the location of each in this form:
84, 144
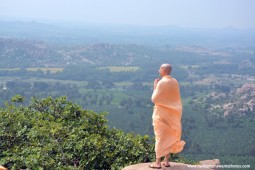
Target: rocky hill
17, 53
25, 53
240, 101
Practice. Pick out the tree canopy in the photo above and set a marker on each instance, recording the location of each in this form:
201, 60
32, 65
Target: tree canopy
53, 133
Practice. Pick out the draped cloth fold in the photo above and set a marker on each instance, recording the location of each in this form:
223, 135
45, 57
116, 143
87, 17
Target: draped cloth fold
166, 117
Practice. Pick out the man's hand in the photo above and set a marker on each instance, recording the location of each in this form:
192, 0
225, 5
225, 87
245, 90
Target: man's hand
156, 82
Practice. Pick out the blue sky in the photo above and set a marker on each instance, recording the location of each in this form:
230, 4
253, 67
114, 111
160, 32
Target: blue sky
183, 13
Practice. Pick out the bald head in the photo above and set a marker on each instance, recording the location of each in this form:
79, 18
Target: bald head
167, 68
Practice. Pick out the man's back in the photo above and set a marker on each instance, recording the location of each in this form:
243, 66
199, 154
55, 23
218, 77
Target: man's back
167, 93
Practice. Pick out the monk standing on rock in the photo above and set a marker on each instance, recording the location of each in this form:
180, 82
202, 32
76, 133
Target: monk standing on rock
166, 117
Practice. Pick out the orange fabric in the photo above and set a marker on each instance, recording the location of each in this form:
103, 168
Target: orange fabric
166, 117
2, 168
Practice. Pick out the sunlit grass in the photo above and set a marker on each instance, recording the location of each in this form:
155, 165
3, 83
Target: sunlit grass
10, 69
44, 69
123, 84
53, 70
121, 68
189, 66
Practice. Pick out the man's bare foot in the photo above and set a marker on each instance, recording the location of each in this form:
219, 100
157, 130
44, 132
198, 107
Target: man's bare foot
166, 164
154, 165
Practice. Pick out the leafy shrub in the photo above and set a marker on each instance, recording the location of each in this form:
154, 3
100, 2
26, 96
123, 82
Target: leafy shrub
57, 134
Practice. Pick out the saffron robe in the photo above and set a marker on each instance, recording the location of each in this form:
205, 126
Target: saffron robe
166, 117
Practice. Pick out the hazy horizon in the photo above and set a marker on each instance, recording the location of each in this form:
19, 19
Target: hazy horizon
181, 13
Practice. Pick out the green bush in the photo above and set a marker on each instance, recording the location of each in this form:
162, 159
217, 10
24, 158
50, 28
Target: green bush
57, 134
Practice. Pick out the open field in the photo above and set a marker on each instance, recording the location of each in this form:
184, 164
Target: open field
53, 70
44, 69
120, 69
80, 84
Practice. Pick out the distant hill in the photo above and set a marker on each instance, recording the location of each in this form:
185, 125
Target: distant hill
25, 53
21, 53
16, 53
33, 44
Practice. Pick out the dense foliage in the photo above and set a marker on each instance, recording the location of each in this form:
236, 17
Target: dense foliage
57, 134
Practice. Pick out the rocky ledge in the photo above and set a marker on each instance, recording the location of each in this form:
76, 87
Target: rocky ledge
202, 165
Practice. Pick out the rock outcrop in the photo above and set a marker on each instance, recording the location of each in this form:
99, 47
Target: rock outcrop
203, 165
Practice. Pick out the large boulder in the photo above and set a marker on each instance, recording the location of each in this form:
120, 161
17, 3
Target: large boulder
203, 165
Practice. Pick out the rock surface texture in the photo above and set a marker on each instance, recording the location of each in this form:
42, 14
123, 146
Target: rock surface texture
203, 165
